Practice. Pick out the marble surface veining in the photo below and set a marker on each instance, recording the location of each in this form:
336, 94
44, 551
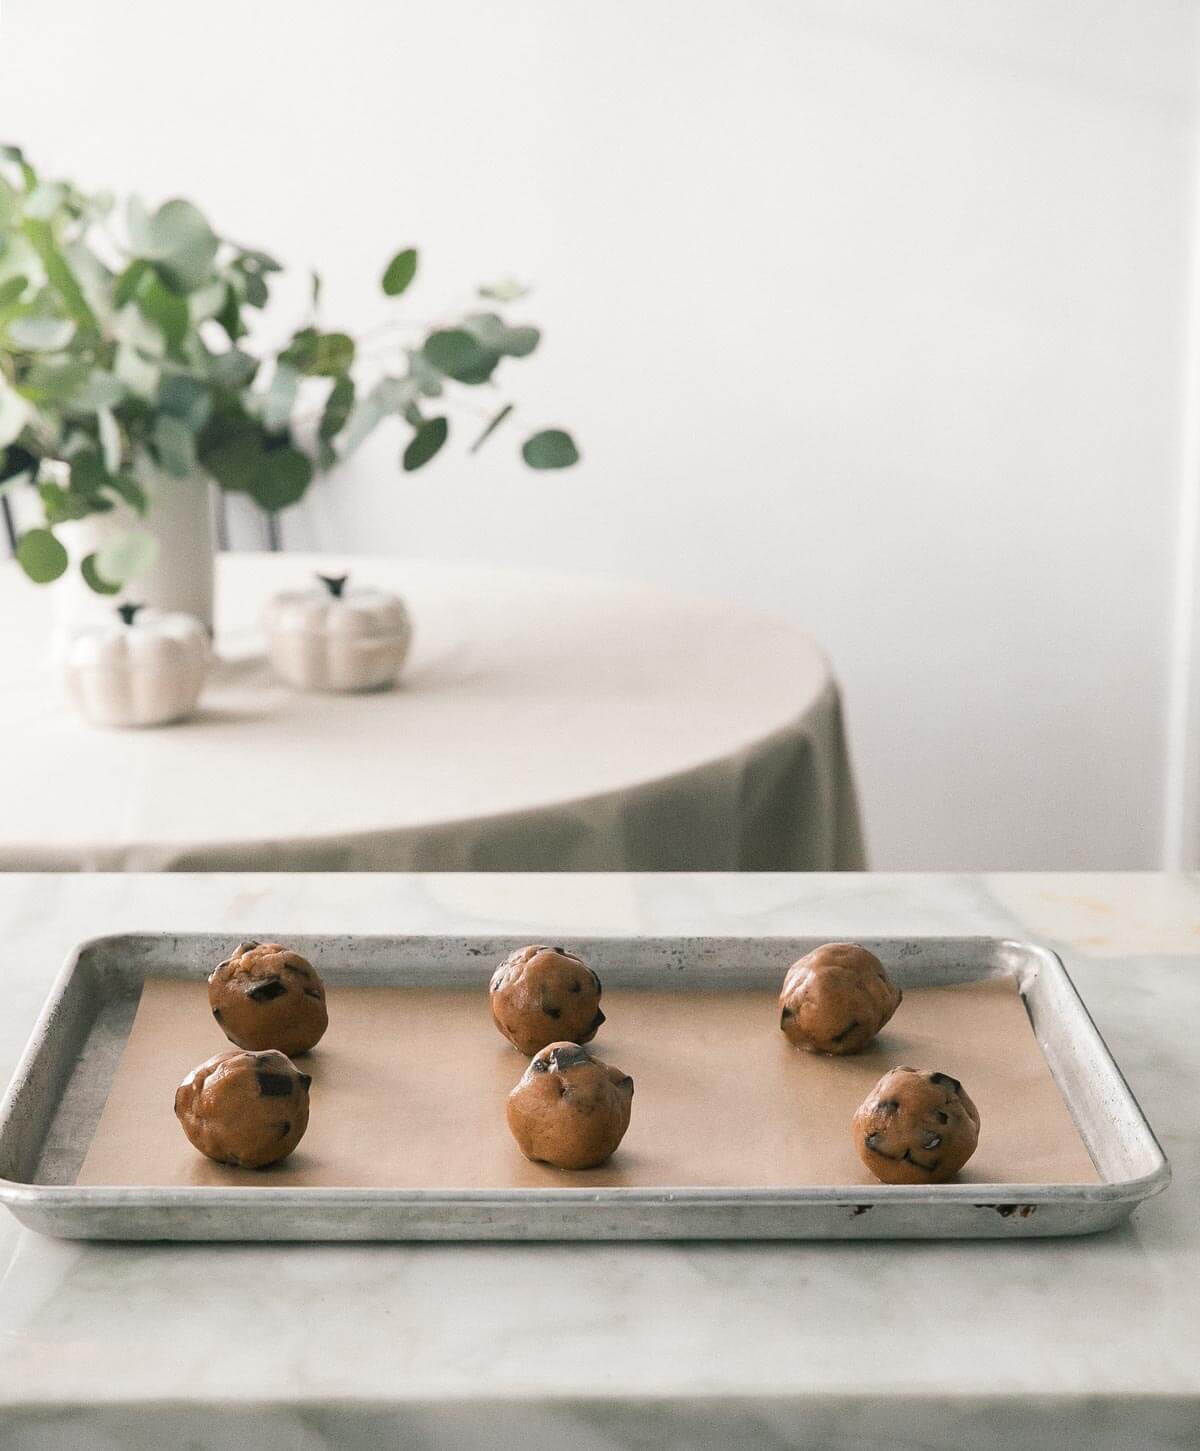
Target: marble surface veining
1090, 1342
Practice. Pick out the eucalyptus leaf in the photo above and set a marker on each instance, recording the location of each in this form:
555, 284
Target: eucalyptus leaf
127, 281
135, 372
185, 398
229, 315
127, 488
282, 479
101, 390
387, 397
508, 289
317, 354
41, 334
175, 445
132, 327
58, 273
110, 439
180, 243
427, 440
61, 505
12, 289
127, 556
45, 200
57, 382
551, 449
207, 301
10, 206
338, 407
460, 355
93, 578
234, 370
280, 398
493, 332
400, 272
167, 310
41, 556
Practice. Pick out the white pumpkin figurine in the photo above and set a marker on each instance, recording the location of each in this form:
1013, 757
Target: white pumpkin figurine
145, 668
334, 638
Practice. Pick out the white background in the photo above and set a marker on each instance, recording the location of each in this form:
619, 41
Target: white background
871, 313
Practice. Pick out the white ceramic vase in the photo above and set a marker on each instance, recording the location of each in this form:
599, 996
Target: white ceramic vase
180, 516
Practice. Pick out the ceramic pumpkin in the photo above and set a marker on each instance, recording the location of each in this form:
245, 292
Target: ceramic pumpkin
143, 668
335, 638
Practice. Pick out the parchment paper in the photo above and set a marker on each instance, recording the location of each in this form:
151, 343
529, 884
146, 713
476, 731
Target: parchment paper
409, 1086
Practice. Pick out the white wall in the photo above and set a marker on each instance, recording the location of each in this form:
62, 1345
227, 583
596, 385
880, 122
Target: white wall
867, 312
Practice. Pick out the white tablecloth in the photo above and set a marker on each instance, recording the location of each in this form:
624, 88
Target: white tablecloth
543, 723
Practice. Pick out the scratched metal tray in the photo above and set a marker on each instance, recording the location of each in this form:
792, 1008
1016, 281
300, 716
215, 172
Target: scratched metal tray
51, 1110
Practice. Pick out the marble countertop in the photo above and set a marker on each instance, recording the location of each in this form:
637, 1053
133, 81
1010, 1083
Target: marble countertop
1090, 1342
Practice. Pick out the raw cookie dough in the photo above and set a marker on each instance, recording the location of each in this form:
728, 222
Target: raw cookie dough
267, 997
916, 1127
836, 999
543, 995
570, 1109
245, 1109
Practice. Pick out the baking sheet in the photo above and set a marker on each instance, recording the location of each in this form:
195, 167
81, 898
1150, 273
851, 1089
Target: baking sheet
409, 1087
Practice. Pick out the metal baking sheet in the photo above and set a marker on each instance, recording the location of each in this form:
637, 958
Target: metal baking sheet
51, 1111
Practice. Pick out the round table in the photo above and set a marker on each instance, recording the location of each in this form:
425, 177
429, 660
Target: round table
543, 723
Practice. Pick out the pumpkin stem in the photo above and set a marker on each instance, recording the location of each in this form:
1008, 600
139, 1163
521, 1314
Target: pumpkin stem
128, 613
335, 584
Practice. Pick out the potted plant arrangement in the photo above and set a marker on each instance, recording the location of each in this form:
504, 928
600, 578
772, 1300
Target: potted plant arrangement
130, 383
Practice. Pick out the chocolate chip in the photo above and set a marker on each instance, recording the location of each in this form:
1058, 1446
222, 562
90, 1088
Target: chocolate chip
596, 1021
575, 987
273, 1085
305, 1081
562, 951
313, 992
265, 991
873, 1142
570, 1056
550, 1010
942, 1118
933, 1141
217, 1014
890, 1105
284, 1127
785, 1015
845, 1033
944, 1080
540, 1064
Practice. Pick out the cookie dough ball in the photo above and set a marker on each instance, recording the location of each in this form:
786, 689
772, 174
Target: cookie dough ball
267, 997
245, 1109
569, 1109
836, 999
916, 1127
545, 995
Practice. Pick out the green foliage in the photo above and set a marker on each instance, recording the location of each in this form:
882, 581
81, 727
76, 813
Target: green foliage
460, 355
425, 442
41, 556
400, 272
126, 339
550, 449
94, 579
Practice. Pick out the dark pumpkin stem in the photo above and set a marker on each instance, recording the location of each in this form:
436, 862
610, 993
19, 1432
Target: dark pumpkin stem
335, 584
129, 613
